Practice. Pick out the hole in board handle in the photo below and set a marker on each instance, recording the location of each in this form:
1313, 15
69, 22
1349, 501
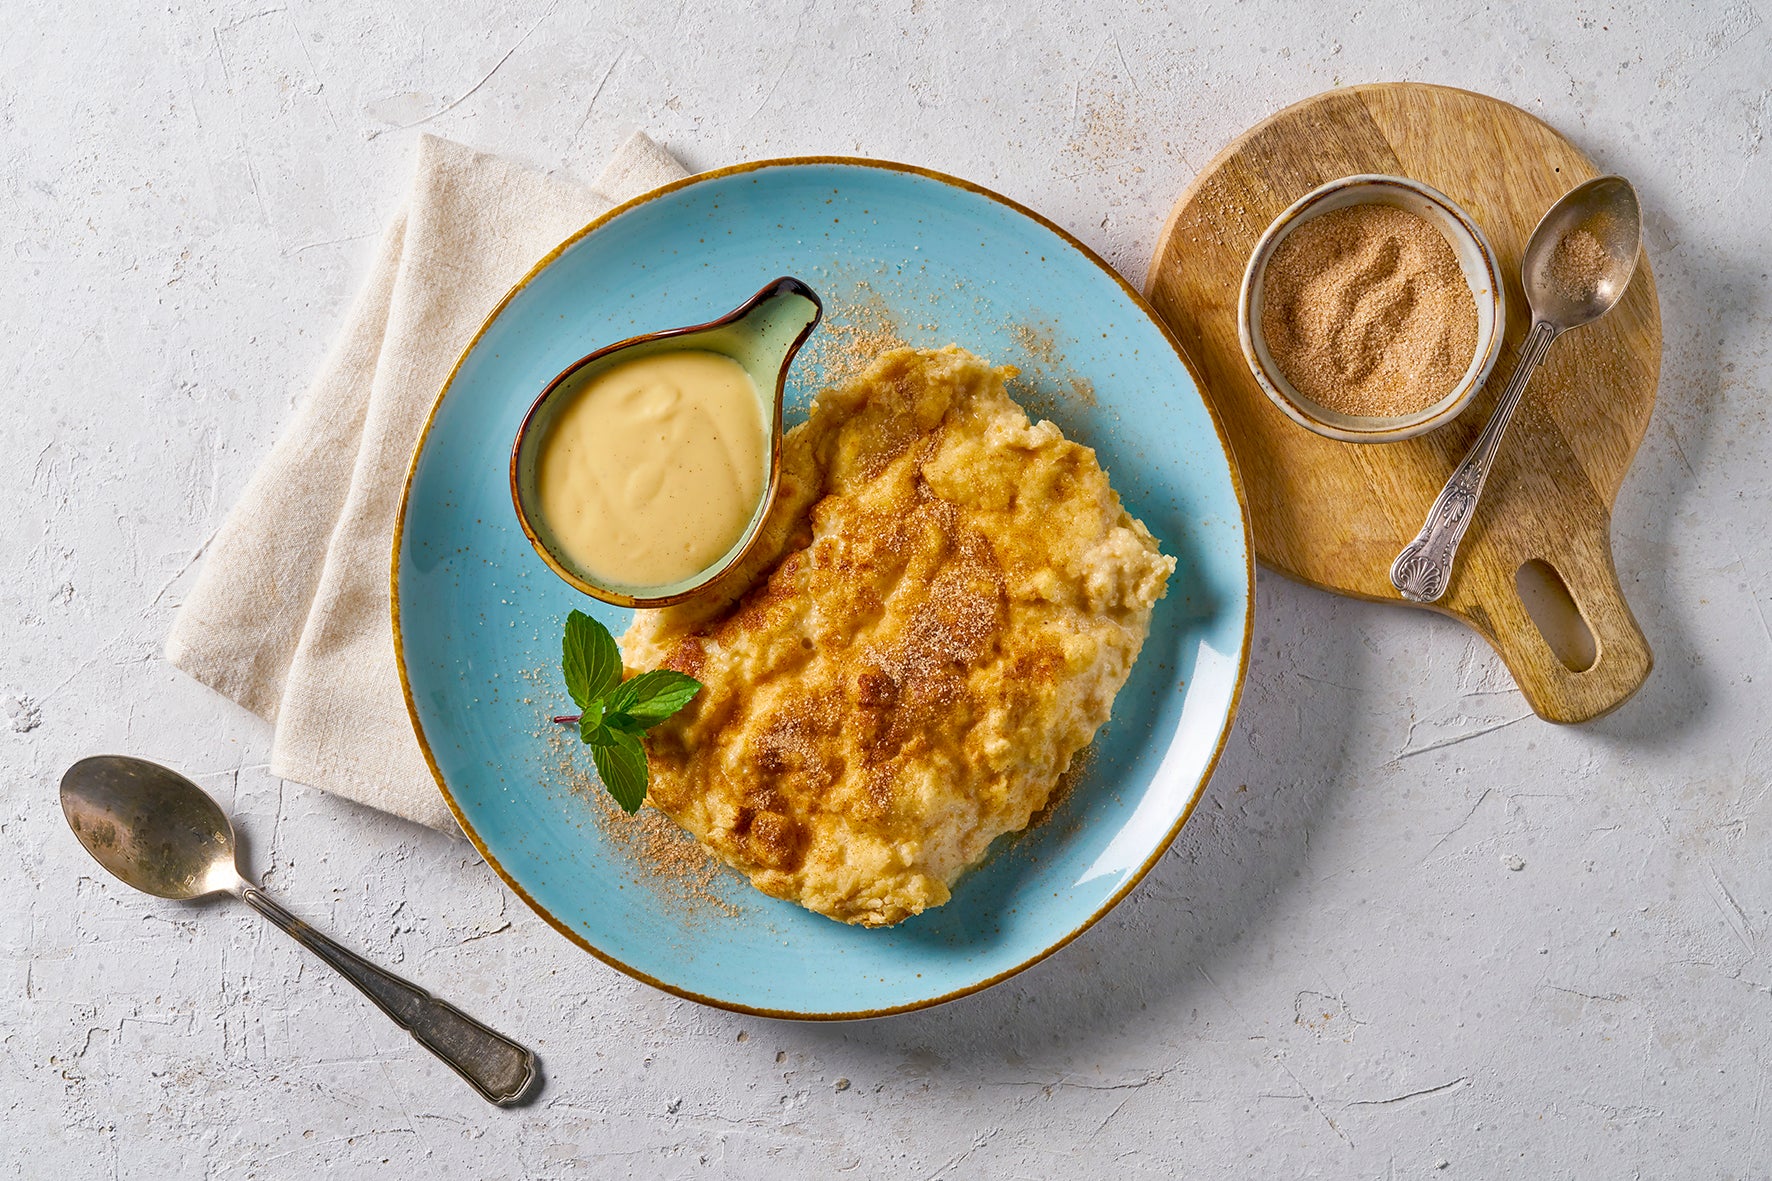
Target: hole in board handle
1548, 601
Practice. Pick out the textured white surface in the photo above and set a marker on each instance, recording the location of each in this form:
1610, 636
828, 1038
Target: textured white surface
1412, 931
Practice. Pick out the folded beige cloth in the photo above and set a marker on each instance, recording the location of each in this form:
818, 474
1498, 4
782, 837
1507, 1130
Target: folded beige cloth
289, 615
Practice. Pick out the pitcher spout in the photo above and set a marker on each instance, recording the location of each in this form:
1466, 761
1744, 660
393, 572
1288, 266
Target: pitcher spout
781, 317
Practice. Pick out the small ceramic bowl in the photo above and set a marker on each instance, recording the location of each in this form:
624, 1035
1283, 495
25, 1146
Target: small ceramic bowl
762, 335
1476, 258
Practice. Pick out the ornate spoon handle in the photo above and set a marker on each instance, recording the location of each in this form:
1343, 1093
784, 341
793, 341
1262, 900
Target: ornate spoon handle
496, 1066
1424, 568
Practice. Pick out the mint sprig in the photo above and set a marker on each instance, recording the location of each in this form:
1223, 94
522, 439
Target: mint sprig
616, 712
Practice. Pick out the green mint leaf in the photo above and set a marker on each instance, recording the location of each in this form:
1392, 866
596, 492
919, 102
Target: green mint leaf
622, 765
589, 658
590, 723
628, 725
652, 697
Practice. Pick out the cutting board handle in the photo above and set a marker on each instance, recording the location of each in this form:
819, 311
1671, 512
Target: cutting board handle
1556, 686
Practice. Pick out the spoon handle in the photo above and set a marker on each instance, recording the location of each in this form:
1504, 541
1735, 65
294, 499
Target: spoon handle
496, 1066
1424, 568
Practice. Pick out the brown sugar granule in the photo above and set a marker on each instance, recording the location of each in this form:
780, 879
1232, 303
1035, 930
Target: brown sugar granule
1044, 383
1577, 264
1367, 312
1067, 782
1038, 341
682, 875
857, 331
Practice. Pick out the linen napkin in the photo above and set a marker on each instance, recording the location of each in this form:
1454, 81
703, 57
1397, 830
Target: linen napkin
289, 615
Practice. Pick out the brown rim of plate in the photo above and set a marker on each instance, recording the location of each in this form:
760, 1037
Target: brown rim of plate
733, 559
1242, 656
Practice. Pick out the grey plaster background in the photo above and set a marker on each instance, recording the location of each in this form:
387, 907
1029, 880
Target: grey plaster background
1335, 973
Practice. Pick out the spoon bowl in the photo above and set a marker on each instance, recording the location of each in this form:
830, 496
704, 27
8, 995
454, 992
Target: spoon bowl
1605, 213
152, 828
763, 334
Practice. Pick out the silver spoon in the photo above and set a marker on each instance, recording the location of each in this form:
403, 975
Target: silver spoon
160, 833
1563, 294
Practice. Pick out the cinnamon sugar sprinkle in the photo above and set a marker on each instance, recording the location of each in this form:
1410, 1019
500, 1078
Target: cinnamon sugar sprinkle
663, 858
1577, 264
852, 336
1081, 762
1367, 311
859, 325
1046, 376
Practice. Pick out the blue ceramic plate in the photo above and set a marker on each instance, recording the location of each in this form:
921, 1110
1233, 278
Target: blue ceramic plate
477, 616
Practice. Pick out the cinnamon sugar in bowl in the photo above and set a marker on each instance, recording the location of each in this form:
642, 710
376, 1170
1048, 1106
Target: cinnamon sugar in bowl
1372, 309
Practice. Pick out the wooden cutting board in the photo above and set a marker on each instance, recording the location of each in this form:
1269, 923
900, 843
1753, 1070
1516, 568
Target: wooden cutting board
1335, 514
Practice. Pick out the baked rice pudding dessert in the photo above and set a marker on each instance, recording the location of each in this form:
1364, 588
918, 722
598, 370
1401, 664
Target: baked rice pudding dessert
944, 604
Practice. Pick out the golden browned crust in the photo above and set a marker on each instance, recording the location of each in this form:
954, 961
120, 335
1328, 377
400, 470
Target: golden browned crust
949, 598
